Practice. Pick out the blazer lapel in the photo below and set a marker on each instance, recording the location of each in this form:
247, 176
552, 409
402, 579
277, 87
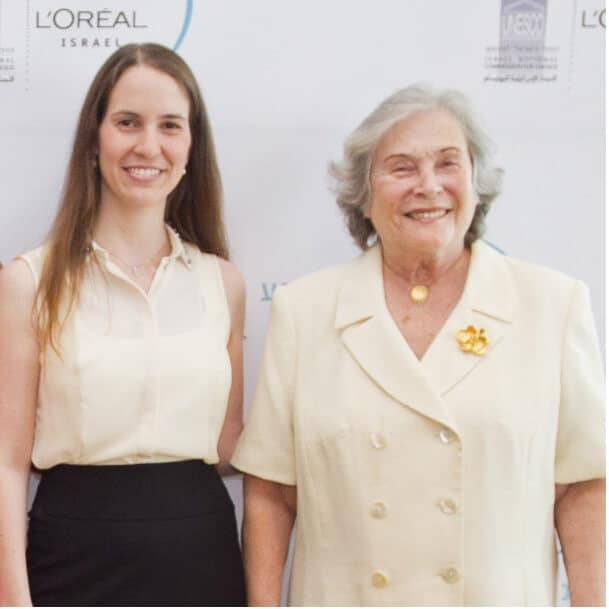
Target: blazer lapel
373, 339
486, 303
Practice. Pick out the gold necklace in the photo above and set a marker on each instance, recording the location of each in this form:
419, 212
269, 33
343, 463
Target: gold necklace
419, 293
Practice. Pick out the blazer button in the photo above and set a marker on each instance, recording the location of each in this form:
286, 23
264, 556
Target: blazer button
379, 579
378, 440
450, 575
447, 506
378, 510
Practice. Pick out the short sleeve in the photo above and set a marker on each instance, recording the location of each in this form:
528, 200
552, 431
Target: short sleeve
266, 446
580, 448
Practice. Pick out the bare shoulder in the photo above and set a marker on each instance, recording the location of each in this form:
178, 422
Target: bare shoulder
234, 285
17, 295
17, 284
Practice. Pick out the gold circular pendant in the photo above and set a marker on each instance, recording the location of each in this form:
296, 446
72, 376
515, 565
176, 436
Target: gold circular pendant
419, 294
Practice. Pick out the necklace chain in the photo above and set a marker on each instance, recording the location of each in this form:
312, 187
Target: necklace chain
419, 293
136, 270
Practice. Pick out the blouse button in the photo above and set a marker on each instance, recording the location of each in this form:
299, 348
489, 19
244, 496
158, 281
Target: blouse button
378, 440
450, 575
447, 506
379, 579
378, 510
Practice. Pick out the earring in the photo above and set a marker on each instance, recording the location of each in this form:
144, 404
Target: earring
184, 171
371, 239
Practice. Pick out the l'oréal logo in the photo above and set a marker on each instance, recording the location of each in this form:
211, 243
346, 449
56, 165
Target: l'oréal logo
66, 19
593, 19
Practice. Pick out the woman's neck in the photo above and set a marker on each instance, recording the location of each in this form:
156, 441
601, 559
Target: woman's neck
422, 268
131, 234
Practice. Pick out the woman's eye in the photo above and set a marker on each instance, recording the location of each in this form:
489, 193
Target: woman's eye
126, 122
171, 125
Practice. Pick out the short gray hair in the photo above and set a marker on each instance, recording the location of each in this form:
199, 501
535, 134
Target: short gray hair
351, 176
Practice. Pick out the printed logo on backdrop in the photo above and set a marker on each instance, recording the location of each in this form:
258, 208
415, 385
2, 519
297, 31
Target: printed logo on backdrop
522, 55
39, 31
7, 50
593, 19
268, 289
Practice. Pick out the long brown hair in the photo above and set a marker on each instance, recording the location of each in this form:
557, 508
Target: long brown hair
194, 208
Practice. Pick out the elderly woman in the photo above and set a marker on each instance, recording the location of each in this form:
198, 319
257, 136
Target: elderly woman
431, 410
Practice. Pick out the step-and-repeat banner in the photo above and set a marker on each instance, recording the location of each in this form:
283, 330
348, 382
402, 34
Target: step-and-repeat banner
285, 82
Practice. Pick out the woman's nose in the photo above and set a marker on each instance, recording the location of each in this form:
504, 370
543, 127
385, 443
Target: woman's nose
147, 143
429, 183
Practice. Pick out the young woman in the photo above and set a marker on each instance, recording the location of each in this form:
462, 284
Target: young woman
121, 361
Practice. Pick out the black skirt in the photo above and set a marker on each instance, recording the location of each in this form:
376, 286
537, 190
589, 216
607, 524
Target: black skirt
154, 534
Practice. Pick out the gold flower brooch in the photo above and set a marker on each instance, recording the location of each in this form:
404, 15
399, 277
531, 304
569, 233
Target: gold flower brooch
473, 341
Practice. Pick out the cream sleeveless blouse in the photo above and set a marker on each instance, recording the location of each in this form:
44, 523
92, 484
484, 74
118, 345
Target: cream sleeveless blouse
140, 377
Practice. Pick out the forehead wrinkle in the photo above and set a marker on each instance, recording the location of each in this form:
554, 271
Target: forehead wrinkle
413, 156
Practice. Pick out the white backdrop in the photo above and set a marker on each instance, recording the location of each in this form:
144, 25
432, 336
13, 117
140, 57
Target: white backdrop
286, 81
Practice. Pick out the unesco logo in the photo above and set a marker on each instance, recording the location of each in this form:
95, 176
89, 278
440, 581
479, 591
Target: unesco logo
523, 20
522, 55
102, 27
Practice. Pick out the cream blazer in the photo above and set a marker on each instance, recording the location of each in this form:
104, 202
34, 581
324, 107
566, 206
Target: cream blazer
427, 482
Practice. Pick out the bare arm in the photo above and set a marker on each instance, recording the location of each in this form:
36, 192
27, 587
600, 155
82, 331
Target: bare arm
19, 371
233, 420
579, 512
270, 510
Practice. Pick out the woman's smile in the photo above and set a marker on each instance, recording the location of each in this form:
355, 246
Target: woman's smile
427, 216
143, 174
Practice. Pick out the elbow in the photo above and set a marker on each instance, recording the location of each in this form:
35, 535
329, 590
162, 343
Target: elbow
580, 505
226, 448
